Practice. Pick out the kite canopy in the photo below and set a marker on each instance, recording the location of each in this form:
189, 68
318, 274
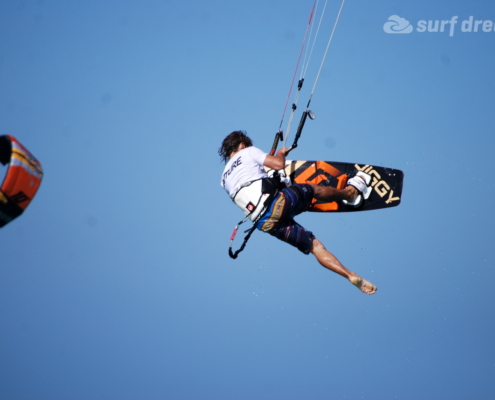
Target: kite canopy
22, 179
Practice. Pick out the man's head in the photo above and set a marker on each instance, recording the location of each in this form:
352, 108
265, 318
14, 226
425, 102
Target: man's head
231, 144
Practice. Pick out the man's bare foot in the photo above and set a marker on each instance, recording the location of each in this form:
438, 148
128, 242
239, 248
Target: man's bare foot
363, 285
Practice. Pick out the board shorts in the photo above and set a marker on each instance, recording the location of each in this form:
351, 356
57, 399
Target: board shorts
279, 221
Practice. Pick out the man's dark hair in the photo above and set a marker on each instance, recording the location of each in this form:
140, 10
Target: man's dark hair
232, 142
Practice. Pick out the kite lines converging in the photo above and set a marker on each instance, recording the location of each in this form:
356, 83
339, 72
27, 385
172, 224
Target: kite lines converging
309, 51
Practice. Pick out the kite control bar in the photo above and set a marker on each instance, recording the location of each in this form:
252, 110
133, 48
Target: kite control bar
278, 136
306, 114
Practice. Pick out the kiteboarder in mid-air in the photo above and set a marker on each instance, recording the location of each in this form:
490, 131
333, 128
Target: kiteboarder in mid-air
272, 208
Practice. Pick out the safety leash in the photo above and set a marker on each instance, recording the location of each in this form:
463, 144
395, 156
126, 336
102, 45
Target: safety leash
232, 237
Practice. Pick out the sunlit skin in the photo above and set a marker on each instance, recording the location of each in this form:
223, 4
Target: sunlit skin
327, 194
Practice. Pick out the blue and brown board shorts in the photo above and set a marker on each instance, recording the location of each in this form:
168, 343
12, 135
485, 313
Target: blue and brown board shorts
279, 221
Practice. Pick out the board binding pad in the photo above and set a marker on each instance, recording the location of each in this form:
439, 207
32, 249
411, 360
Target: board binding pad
386, 183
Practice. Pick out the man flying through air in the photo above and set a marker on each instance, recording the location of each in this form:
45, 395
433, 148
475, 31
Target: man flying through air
273, 208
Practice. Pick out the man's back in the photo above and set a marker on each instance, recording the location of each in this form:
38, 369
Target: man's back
245, 166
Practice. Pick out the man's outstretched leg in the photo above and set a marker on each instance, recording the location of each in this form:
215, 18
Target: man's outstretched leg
358, 184
328, 260
328, 193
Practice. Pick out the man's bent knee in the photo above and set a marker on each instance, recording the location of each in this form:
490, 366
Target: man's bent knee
316, 245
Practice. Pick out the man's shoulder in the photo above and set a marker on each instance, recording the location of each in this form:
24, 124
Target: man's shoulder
255, 153
255, 149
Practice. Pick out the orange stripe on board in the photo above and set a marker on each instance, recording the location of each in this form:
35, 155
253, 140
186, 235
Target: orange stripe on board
328, 168
304, 176
342, 180
333, 206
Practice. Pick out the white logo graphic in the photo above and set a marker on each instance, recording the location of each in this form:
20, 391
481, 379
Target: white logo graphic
397, 24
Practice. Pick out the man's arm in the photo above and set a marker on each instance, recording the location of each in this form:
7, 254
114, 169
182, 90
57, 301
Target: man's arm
277, 161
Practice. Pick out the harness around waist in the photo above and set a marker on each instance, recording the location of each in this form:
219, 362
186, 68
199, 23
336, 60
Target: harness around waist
255, 197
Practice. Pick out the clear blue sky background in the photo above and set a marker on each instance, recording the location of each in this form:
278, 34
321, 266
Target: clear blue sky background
116, 282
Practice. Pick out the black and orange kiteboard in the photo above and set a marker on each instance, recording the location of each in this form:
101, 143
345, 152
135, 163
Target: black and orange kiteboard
22, 179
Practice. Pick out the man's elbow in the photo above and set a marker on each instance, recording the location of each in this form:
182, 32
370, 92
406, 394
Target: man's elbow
275, 162
280, 165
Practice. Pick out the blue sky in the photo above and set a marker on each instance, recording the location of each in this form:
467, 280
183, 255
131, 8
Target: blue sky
116, 282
